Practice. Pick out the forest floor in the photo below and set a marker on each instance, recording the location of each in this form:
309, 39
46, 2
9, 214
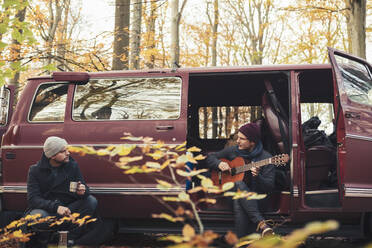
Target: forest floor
151, 241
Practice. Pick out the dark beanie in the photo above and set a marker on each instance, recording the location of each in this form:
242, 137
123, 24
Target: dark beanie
251, 131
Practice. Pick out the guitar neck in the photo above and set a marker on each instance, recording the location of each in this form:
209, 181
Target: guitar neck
249, 166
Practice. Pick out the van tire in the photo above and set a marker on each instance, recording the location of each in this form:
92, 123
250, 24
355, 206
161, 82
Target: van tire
366, 225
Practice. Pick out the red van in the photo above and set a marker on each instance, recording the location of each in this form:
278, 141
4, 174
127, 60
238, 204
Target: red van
204, 106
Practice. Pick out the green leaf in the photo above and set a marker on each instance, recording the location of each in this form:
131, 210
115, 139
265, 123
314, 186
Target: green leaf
2, 45
50, 67
16, 35
3, 28
16, 65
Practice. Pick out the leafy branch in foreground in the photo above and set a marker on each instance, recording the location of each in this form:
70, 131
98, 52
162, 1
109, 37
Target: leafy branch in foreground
18, 231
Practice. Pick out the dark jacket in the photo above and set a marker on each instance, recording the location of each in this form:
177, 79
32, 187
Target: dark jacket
263, 183
47, 190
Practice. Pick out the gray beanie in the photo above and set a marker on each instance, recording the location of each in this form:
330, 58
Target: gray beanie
53, 145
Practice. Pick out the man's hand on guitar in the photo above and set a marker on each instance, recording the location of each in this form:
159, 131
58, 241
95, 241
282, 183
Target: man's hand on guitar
223, 166
255, 171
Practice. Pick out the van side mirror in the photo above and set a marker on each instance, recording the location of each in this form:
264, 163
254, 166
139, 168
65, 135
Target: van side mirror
74, 77
4, 105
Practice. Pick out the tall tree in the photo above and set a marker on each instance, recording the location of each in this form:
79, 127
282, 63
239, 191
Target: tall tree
356, 26
149, 41
135, 39
252, 18
16, 48
15, 34
176, 16
121, 35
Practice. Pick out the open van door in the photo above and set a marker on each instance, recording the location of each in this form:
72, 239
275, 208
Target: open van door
6, 103
352, 79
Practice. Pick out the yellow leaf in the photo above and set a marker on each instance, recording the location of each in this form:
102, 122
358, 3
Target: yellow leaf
18, 234
102, 152
133, 170
168, 217
131, 138
227, 186
165, 164
159, 144
207, 183
156, 155
199, 157
191, 173
153, 165
208, 200
124, 150
182, 159
130, 159
173, 238
194, 149
191, 159
194, 190
188, 232
164, 184
181, 147
183, 196
171, 198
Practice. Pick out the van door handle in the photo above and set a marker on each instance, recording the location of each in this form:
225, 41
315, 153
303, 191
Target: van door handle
352, 115
164, 128
10, 155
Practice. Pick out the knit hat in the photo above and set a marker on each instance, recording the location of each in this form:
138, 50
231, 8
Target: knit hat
53, 145
251, 131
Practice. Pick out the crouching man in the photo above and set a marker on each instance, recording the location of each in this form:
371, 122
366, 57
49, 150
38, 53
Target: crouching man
56, 187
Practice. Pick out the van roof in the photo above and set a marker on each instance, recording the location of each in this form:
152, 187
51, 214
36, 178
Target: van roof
216, 69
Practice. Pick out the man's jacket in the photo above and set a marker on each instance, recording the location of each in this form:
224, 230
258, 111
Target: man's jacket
47, 190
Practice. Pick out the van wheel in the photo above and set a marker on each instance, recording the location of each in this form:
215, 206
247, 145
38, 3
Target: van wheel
366, 225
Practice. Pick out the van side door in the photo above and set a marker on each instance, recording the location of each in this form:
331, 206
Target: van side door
352, 78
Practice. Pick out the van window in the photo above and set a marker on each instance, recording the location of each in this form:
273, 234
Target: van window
4, 107
356, 79
128, 99
223, 121
49, 103
324, 111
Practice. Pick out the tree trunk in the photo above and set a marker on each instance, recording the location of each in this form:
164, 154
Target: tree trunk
16, 51
61, 46
136, 35
150, 26
214, 122
228, 122
356, 26
214, 32
175, 48
175, 38
205, 122
54, 20
121, 35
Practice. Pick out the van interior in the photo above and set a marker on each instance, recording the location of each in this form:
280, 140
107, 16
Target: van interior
218, 103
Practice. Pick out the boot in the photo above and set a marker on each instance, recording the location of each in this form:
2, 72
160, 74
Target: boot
265, 229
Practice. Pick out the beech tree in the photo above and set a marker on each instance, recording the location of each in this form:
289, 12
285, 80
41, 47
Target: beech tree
121, 35
356, 26
176, 15
135, 37
15, 33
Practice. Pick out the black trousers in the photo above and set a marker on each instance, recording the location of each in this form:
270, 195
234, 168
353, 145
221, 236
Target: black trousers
85, 207
246, 212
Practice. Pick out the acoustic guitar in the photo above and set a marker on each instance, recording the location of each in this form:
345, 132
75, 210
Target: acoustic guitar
238, 166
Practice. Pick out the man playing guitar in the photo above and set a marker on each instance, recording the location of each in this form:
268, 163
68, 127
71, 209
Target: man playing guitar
258, 179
